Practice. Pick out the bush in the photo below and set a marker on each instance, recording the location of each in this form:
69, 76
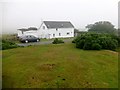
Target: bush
96, 41
116, 38
108, 43
73, 41
56, 41
80, 44
8, 45
96, 46
87, 46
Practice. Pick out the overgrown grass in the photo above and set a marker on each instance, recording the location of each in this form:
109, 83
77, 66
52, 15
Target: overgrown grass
59, 66
10, 37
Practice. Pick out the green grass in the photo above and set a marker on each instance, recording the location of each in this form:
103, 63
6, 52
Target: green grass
59, 66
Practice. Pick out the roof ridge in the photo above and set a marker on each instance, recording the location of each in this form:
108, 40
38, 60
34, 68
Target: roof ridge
56, 21
58, 24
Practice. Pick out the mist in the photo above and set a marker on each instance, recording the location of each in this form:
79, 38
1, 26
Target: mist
24, 14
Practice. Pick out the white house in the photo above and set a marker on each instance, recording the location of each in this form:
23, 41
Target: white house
51, 29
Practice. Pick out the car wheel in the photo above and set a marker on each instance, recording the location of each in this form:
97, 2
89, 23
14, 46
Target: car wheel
26, 41
37, 40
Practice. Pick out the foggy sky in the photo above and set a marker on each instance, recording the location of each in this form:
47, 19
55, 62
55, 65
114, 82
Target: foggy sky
15, 14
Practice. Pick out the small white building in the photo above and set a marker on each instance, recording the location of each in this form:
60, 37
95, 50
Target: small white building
50, 29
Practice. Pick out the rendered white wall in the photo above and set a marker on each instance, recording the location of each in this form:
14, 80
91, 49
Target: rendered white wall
48, 33
62, 31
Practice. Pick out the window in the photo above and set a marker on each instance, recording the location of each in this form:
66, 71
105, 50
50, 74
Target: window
59, 34
43, 27
56, 29
53, 35
68, 33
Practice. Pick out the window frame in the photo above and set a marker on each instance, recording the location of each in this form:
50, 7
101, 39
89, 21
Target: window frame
68, 33
53, 35
59, 34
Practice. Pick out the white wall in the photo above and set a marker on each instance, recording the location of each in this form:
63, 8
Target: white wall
48, 33
63, 33
42, 32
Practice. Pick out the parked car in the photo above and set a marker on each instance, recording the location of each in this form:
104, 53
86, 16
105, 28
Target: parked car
29, 38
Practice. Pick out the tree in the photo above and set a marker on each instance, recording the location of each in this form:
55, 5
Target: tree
89, 26
101, 27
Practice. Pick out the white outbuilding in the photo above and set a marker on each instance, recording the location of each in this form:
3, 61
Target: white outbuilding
50, 29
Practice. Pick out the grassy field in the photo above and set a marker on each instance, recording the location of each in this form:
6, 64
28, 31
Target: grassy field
59, 66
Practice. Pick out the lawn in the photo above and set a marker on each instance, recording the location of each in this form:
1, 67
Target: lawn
59, 66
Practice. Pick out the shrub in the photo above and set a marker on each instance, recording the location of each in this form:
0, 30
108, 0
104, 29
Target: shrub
8, 45
56, 41
96, 41
96, 46
73, 41
116, 38
108, 43
87, 46
80, 44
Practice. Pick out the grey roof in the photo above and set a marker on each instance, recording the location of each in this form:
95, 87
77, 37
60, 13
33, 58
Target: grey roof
23, 29
58, 24
31, 28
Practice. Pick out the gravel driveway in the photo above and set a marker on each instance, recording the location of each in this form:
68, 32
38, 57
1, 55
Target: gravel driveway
41, 42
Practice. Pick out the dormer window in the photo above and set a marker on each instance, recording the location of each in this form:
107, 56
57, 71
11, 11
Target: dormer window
43, 27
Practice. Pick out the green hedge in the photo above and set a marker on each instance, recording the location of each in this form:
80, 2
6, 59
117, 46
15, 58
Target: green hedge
96, 41
8, 45
57, 41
